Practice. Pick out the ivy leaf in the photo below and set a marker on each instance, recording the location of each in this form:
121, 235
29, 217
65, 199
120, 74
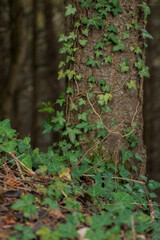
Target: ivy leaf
83, 116
138, 50
8, 146
81, 102
104, 99
85, 32
91, 79
119, 47
112, 28
108, 59
99, 45
72, 35
70, 10
128, 26
85, 3
102, 133
132, 84
27, 161
124, 67
83, 42
124, 198
153, 185
137, 156
113, 38
146, 34
61, 74
25, 204
69, 90
61, 64
126, 155
72, 132
47, 108
73, 106
5, 129
125, 35
102, 82
79, 77
146, 9
106, 88
144, 72
98, 53
70, 73
91, 62
58, 121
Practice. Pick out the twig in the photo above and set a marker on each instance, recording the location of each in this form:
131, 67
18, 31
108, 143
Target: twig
133, 228
127, 179
17, 160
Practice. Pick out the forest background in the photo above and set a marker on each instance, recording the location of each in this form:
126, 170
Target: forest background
32, 42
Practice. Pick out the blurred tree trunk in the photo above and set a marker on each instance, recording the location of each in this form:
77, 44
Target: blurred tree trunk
17, 52
34, 123
152, 95
52, 49
2, 51
124, 108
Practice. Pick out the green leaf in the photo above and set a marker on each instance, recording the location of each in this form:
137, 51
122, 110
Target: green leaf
99, 45
104, 99
146, 34
91, 62
70, 73
124, 67
119, 47
113, 38
69, 90
26, 160
124, 198
108, 59
137, 156
72, 132
25, 204
98, 53
144, 72
85, 32
5, 129
132, 84
112, 28
70, 10
153, 185
125, 35
91, 79
9, 146
83, 42
81, 102
47, 108
128, 26
126, 155
67, 231
146, 9
106, 88
83, 116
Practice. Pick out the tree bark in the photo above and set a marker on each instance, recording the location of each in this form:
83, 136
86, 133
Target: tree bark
34, 122
125, 107
17, 52
152, 96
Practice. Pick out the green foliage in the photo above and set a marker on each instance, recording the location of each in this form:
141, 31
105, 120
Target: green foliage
70, 10
146, 9
25, 204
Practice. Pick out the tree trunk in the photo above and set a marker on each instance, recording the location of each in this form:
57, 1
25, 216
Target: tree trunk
111, 84
152, 96
17, 51
34, 123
